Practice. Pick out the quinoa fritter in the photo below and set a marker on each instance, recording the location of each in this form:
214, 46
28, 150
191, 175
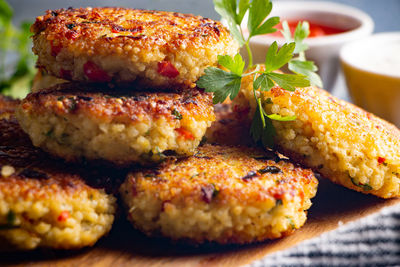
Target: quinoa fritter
231, 127
341, 141
44, 203
121, 126
7, 106
222, 194
119, 44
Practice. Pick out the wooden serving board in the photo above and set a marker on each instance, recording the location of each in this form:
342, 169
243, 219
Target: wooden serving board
124, 246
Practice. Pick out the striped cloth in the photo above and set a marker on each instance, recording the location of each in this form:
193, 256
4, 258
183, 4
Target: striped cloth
370, 241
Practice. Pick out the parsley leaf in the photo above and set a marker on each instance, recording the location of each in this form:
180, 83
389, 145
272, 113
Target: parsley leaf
227, 9
263, 82
221, 83
306, 68
235, 65
258, 11
289, 81
226, 82
6, 13
15, 80
300, 65
243, 7
301, 32
276, 59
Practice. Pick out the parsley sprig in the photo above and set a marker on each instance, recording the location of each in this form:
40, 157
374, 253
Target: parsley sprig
15, 42
225, 82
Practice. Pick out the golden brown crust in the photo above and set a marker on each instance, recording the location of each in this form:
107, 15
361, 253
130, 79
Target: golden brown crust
246, 165
7, 106
343, 142
43, 200
121, 106
167, 43
169, 29
222, 194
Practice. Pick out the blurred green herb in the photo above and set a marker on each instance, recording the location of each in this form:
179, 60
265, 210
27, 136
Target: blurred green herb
299, 64
227, 83
15, 77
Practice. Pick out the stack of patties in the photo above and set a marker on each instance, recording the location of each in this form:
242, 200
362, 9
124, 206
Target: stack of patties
43, 201
131, 99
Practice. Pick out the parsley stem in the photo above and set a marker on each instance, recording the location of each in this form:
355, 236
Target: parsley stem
261, 112
302, 56
250, 65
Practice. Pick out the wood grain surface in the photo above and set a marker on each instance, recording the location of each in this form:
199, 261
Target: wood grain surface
124, 246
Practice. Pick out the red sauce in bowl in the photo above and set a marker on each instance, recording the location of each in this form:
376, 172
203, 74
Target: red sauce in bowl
316, 29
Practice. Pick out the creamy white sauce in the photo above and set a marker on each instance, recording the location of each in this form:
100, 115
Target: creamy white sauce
381, 56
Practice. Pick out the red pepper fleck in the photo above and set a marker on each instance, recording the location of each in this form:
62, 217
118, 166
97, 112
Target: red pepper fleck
55, 49
71, 35
64, 215
66, 74
381, 160
165, 68
185, 133
95, 73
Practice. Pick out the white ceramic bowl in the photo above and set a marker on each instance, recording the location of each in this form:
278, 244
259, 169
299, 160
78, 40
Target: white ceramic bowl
324, 51
372, 70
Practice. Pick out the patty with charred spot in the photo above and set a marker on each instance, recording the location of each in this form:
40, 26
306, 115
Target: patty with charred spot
343, 142
107, 44
45, 203
221, 194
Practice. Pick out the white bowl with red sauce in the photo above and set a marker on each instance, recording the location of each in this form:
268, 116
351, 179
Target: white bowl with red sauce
331, 26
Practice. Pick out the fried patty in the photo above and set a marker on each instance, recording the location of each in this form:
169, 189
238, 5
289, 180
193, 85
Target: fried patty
121, 125
44, 203
7, 106
231, 127
221, 194
119, 44
343, 142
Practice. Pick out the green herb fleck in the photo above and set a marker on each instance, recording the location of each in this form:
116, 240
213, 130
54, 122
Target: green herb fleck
215, 192
159, 154
72, 103
70, 26
50, 133
194, 175
291, 222
278, 202
11, 218
177, 115
365, 187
